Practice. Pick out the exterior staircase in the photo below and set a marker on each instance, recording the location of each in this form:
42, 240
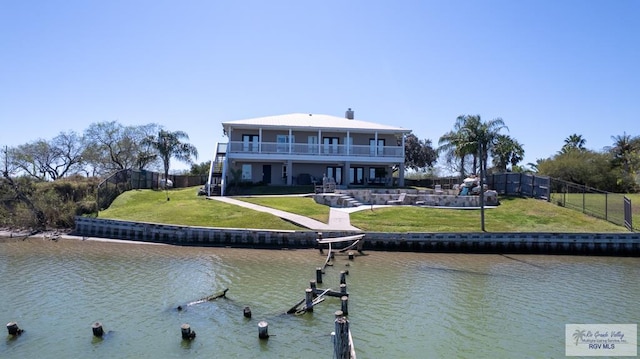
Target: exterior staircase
347, 201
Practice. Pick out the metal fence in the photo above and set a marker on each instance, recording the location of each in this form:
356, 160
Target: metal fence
613, 207
125, 180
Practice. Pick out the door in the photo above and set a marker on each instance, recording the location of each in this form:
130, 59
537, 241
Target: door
266, 174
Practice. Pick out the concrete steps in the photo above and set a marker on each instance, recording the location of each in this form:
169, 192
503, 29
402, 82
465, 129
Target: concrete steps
347, 201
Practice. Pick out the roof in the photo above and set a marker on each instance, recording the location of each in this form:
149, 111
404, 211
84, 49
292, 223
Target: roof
312, 122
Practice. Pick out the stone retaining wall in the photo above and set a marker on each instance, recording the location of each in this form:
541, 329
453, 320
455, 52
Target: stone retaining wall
618, 244
448, 198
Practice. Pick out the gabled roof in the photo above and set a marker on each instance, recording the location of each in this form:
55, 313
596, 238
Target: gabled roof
311, 122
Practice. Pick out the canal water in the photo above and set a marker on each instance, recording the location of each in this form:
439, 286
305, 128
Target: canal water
401, 305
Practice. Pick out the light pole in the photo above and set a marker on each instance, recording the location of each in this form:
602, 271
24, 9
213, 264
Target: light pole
481, 188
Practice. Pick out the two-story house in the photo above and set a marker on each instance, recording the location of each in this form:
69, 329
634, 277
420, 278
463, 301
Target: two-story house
303, 148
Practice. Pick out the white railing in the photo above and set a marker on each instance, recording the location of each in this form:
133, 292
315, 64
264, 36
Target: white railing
315, 149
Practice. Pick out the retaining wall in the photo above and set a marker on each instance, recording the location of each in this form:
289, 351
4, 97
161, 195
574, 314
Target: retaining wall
617, 244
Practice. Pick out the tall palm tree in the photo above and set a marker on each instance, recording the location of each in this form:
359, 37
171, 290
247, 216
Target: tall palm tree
625, 151
457, 142
169, 145
573, 142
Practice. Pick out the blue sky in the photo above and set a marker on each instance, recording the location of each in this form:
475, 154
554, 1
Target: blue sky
547, 68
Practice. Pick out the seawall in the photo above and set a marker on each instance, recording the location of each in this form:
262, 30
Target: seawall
613, 244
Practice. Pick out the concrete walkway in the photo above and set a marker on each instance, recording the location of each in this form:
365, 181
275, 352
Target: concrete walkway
338, 219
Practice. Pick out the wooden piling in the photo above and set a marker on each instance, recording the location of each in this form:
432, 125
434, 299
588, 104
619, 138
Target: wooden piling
341, 348
187, 333
343, 289
319, 275
308, 296
13, 329
97, 329
263, 330
343, 277
312, 285
246, 312
351, 255
345, 305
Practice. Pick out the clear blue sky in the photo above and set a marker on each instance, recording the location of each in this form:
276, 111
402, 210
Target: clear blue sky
547, 68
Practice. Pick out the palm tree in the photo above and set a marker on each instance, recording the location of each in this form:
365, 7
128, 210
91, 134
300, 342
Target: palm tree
168, 145
625, 151
506, 151
457, 142
573, 142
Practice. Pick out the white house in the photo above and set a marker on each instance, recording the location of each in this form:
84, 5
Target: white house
302, 148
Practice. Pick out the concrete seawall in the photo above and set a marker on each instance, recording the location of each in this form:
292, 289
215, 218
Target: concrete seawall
614, 244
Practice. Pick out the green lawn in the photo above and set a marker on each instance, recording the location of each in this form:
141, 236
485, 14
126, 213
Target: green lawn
304, 206
186, 208
513, 215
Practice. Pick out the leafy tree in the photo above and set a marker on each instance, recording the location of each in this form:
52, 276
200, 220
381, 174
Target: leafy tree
170, 145
419, 154
201, 168
584, 167
625, 154
111, 146
506, 151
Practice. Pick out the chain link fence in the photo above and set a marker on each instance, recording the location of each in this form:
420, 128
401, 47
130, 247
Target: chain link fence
125, 180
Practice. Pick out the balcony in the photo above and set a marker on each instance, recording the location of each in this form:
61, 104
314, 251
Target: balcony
300, 150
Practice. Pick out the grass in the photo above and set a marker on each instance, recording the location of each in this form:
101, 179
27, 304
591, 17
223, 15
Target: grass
513, 215
186, 208
304, 206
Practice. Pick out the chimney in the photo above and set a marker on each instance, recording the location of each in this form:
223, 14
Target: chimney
349, 114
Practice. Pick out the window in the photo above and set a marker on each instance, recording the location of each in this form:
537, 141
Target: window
246, 172
283, 142
356, 175
335, 173
250, 143
284, 171
330, 144
376, 150
312, 142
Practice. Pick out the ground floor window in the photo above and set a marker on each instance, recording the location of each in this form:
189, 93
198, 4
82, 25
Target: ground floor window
356, 175
335, 173
377, 175
246, 172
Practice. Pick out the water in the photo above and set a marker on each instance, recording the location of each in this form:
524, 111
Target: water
402, 305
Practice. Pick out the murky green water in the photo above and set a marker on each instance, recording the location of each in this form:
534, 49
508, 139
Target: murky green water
402, 305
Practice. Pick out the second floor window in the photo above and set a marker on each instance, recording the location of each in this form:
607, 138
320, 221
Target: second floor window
283, 142
250, 143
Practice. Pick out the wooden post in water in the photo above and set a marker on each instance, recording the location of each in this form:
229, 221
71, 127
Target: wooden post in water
319, 275
13, 329
308, 296
246, 312
351, 256
97, 329
343, 277
187, 333
341, 348
343, 289
345, 305
312, 285
263, 330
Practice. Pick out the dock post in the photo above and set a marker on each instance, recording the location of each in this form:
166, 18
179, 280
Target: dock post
351, 256
343, 289
319, 275
308, 295
263, 330
187, 333
341, 348
343, 277
13, 329
246, 312
97, 329
345, 305
313, 286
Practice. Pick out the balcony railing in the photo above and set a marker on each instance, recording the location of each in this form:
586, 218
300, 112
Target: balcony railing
303, 149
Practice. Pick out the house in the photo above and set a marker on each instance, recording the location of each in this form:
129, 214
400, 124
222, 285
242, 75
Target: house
300, 149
